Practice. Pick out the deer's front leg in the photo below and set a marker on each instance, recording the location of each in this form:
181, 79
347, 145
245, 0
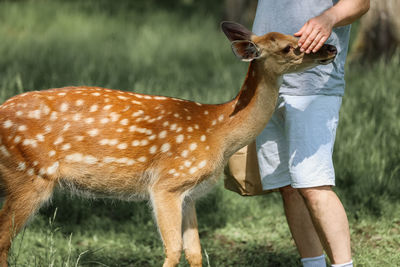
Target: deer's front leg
191, 241
168, 212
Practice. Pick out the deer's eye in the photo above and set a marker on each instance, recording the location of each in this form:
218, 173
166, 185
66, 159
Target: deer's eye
287, 49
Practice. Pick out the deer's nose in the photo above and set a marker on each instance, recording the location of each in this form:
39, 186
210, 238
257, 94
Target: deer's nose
331, 49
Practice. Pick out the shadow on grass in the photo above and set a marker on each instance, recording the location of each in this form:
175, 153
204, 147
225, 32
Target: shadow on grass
225, 252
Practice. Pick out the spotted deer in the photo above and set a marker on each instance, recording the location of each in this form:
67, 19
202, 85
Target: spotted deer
125, 145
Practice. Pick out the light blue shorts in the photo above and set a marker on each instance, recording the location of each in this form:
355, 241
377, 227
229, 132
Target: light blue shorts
296, 146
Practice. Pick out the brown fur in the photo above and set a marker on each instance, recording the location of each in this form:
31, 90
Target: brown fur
118, 144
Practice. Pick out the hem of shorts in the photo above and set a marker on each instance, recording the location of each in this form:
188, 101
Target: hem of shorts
316, 184
310, 93
276, 186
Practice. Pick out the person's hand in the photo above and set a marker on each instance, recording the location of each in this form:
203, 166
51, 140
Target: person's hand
315, 33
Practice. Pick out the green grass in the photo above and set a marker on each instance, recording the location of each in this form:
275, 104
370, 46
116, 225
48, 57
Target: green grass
175, 48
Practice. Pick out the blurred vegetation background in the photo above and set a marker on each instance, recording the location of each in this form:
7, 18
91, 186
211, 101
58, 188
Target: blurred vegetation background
176, 48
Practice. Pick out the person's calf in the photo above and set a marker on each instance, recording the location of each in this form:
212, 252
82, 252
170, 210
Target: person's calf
330, 221
300, 223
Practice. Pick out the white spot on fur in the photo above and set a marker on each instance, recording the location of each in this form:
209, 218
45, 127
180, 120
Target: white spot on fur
21, 166
7, 124
66, 146
202, 164
77, 117
104, 120
107, 107
46, 110
179, 138
64, 107
136, 102
30, 172
93, 132
79, 137
203, 138
190, 129
109, 159
193, 170
103, 142
165, 147
122, 146
53, 116
58, 141
34, 114
88, 159
162, 134
113, 142
122, 97
193, 146
89, 120
135, 143
114, 116
185, 153
66, 126
18, 113
22, 128
79, 102
187, 163
137, 113
153, 149
53, 168
93, 108
40, 137
144, 142
17, 139
30, 142
142, 159
52, 153
124, 122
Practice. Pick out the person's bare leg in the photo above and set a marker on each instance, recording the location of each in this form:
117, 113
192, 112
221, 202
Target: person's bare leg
330, 221
300, 223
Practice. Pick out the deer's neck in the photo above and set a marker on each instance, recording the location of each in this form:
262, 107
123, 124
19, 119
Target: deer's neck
252, 108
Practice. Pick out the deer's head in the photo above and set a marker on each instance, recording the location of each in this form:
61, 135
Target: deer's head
278, 52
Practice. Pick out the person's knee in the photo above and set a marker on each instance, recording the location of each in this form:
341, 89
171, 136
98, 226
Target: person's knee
315, 194
288, 193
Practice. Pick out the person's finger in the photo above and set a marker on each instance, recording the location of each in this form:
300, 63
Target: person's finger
314, 43
304, 36
310, 39
320, 44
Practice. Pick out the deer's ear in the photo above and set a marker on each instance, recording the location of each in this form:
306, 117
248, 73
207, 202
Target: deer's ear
235, 31
246, 50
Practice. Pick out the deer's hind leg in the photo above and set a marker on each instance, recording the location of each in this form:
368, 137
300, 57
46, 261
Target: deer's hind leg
24, 196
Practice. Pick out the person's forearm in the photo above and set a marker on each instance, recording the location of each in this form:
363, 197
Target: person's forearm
347, 11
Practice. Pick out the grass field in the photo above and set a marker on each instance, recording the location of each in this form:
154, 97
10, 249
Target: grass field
176, 48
